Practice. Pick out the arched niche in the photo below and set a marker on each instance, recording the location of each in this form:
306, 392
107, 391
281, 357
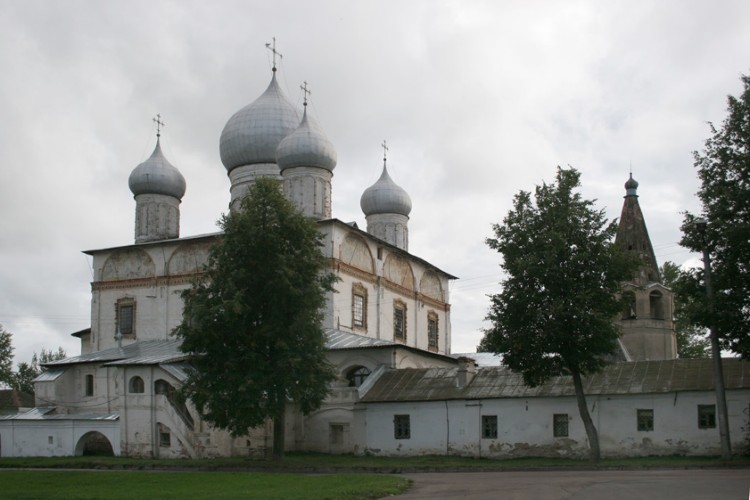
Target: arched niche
656, 304
189, 258
128, 264
136, 385
355, 252
398, 270
94, 443
430, 286
356, 375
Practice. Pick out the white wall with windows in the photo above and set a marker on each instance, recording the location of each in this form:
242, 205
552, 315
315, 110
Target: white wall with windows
682, 423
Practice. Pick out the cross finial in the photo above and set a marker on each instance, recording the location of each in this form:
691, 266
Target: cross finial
159, 124
305, 92
385, 151
272, 48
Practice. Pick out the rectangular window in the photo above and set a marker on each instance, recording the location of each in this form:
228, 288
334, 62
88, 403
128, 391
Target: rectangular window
401, 427
432, 331
706, 416
645, 420
125, 317
336, 434
399, 322
89, 385
165, 439
560, 425
489, 426
359, 307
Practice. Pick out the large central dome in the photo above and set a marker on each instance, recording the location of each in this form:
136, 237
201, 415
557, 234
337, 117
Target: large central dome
253, 133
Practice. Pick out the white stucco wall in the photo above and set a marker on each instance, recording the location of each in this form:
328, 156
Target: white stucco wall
52, 438
525, 426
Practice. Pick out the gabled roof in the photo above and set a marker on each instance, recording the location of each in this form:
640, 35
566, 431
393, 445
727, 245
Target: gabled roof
640, 377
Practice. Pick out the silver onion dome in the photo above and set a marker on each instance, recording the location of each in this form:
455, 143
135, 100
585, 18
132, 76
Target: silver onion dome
253, 133
631, 186
307, 146
385, 197
157, 176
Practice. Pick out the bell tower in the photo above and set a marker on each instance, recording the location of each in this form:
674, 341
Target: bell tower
646, 322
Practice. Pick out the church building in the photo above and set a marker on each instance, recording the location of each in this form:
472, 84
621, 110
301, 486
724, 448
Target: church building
399, 389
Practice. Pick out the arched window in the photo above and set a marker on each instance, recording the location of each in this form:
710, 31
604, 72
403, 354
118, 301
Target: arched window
656, 304
136, 385
628, 305
357, 375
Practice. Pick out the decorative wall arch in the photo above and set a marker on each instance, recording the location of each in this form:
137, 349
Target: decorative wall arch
128, 264
430, 286
355, 252
398, 270
189, 258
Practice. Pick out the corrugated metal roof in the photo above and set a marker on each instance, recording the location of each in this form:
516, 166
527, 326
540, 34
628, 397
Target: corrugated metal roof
346, 340
49, 375
137, 353
431, 384
177, 370
43, 413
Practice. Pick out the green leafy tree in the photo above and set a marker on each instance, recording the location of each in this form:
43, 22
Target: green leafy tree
27, 372
6, 357
563, 275
253, 324
724, 171
692, 339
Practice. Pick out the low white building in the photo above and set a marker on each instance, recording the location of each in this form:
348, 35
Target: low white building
639, 408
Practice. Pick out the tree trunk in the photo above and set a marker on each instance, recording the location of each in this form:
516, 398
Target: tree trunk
278, 433
588, 424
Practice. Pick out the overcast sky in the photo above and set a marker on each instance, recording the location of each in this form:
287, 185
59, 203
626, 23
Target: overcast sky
477, 101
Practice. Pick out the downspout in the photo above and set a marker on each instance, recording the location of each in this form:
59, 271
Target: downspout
378, 292
154, 447
447, 430
124, 409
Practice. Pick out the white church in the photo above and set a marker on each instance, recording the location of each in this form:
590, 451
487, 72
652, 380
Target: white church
399, 390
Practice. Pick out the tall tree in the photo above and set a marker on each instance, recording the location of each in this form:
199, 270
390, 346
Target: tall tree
722, 234
563, 275
692, 339
253, 324
724, 171
6, 357
23, 379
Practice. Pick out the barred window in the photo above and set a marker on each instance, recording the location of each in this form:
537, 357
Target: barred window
125, 317
359, 306
432, 331
645, 419
489, 426
706, 416
399, 321
560, 425
401, 427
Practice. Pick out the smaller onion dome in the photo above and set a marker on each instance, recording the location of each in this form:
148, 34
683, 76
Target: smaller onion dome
307, 146
157, 176
631, 186
385, 197
254, 132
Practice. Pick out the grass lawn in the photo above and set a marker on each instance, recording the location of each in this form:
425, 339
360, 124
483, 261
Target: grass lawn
20, 484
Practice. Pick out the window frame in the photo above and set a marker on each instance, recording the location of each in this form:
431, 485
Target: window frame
359, 314
644, 419
121, 306
489, 426
136, 385
357, 376
402, 426
560, 425
433, 337
399, 325
707, 412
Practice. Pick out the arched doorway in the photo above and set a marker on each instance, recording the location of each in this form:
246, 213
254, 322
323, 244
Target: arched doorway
94, 444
